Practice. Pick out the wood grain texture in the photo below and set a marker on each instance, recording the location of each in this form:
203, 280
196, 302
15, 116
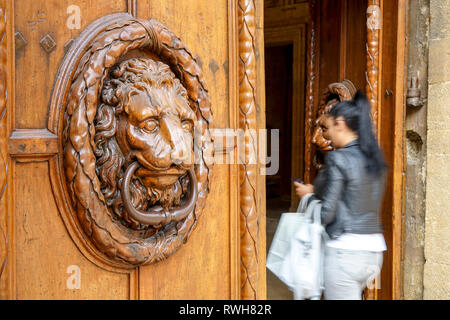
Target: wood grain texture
132, 7
212, 249
261, 124
32, 143
249, 222
34, 19
4, 159
44, 251
283, 14
207, 253
391, 122
353, 50
399, 167
233, 116
311, 89
282, 3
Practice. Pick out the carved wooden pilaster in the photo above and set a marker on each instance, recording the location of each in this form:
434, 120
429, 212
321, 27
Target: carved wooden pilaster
374, 32
311, 88
249, 219
3, 152
373, 56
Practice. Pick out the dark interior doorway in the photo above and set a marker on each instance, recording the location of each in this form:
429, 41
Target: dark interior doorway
279, 116
279, 84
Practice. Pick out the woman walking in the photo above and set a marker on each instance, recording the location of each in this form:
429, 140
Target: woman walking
351, 187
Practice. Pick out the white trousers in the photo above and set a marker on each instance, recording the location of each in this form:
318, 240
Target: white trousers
348, 272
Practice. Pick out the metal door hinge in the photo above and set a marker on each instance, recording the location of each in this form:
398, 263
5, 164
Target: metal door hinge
413, 94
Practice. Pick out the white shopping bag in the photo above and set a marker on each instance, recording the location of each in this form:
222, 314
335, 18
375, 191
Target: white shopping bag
287, 227
297, 251
306, 255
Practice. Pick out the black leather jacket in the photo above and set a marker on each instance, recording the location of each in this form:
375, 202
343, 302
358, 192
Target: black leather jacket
351, 197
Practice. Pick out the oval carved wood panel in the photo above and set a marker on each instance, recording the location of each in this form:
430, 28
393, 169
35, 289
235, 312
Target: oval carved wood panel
130, 100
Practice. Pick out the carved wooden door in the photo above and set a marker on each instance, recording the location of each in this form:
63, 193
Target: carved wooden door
109, 188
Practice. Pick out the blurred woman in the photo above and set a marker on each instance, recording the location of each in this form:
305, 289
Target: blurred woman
351, 187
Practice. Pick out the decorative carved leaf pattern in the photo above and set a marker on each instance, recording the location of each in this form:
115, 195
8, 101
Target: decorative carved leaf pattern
3, 146
373, 61
310, 89
124, 246
249, 221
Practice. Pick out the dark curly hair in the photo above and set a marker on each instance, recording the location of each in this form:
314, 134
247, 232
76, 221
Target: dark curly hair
357, 116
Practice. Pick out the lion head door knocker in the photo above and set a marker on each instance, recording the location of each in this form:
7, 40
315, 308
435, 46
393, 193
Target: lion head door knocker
135, 137
335, 92
144, 143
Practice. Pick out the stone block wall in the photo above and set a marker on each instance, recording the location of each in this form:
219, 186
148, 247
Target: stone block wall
436, 277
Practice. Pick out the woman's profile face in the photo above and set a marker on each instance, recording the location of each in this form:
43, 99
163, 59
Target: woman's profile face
337, 131
330, 131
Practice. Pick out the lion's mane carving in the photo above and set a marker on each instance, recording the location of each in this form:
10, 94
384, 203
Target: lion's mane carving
127, 79
127, 134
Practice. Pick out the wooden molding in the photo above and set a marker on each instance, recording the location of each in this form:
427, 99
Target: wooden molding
343, 41
399, 168
233, 83
297, 13
132, 7
374, 26
7, 81
4, 158
32, 144
249, 215
373, 73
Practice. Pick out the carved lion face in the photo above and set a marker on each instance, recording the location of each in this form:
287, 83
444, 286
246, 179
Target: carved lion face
335, 93
145, 116
320, 138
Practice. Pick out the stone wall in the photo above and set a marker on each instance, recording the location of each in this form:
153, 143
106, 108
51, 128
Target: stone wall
416, 133
436, 278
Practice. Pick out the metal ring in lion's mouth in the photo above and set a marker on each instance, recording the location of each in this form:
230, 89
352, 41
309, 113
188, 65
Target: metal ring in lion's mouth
157, 215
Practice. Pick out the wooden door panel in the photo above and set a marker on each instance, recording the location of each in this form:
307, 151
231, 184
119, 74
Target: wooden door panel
201, 268
34, 66
42, 247
203, 27
44, 251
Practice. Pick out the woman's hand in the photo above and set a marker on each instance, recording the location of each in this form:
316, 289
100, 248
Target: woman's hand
302, 189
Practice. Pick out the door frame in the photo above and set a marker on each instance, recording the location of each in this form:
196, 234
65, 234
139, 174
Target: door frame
378, 81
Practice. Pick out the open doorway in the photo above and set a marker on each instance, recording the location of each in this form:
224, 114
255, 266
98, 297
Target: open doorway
285, 86
278, 68
339, 35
